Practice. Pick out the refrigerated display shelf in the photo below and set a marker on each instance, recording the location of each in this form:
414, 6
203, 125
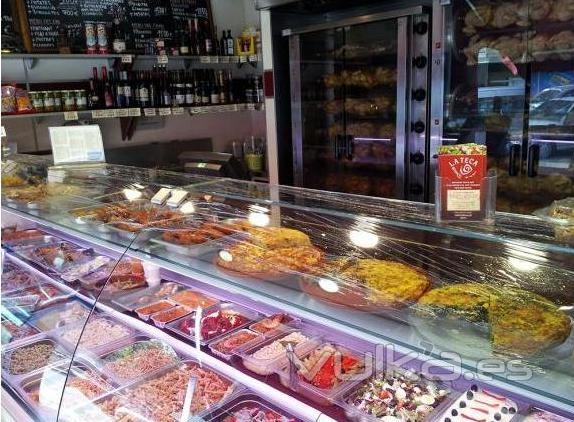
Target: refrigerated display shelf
365, 327
297, 407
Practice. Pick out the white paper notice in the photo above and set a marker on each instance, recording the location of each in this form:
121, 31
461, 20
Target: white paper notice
77, 144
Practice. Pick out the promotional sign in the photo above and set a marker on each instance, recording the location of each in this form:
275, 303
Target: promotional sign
462, 191
77, 144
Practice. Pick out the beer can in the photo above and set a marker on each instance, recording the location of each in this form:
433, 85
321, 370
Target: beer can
91, 43
102, 38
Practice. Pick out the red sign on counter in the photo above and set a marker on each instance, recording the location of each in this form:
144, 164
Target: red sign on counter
462, 190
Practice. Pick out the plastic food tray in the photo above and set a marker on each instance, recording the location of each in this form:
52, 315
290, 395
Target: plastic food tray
292, 322
41, 321
21, 340
465, 401
56, 379
109, 344
159, 318
272, 365
321, 396
139, 342
357, 415
246, 312
29, 254
59, 354
249, 400
258, 338
41, 238
146, 296
144, 313
26, 295
206, 309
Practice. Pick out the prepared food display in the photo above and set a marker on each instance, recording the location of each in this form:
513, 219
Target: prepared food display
193, 299
26, 359
520, 322
96, 332
402, 395
361, 78
231, 343
271, 323
12, 331
14, 278
77, 271
369, 284
58, 257
252, 408
328, 367
45, 294
130, 217
216, 323
133, 361
59, 316
205, 232
161, 398
145, 311
478, 404
539, 415
144, 297
163, 317
36, 194
13, 236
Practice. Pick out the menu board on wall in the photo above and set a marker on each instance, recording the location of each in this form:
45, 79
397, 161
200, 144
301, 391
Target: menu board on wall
144, 19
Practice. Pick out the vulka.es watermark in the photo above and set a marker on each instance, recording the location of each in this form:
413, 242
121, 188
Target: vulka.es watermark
447, 366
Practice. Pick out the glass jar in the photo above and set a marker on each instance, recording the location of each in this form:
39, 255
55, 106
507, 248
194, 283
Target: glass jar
48, 101
37, 101
68, 100
57, 100
81, 99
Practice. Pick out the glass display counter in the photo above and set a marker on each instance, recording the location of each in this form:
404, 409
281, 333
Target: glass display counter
136, 296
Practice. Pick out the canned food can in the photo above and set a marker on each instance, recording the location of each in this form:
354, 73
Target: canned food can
91, 42
48, 101
69, 100
102, 38
57, 100
81, 99
37, 101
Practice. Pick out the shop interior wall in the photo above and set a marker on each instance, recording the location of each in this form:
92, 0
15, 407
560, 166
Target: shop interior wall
222, 128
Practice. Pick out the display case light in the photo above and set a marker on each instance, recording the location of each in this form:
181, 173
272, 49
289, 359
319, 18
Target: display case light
225, 256
363, 239
328, 285
132, 194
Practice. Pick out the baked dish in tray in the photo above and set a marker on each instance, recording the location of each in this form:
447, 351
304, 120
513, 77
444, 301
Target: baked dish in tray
518, 321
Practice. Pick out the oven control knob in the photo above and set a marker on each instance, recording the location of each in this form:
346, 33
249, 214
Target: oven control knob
419, 94
421, 28
420, 62
417, 158
418, 126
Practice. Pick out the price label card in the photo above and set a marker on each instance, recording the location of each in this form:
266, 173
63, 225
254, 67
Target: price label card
122, 112
242, 59
2, 132
253, 58
162, 59
234, 59
70, 115
161, 196
97, 114
77, 144
165, 111
150, 112
177, 111
134, 112
250, 106
126, 58
177, 197
204, 59
224, 59
214, 59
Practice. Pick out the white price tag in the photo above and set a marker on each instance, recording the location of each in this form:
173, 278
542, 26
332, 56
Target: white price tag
150, 112
204, 59
234, 59
126, 58
177, 110
122, 112
242, 59
224, 59
70, 115
177, 197
161, 195
214, 59
98, 114
253, 58
162, 59
250, 106
2, 132
165, 111
134, 112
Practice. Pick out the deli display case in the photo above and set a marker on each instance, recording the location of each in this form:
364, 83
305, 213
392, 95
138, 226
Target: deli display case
126, 297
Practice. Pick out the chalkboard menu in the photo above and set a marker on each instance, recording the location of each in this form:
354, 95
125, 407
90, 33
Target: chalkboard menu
144, 19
